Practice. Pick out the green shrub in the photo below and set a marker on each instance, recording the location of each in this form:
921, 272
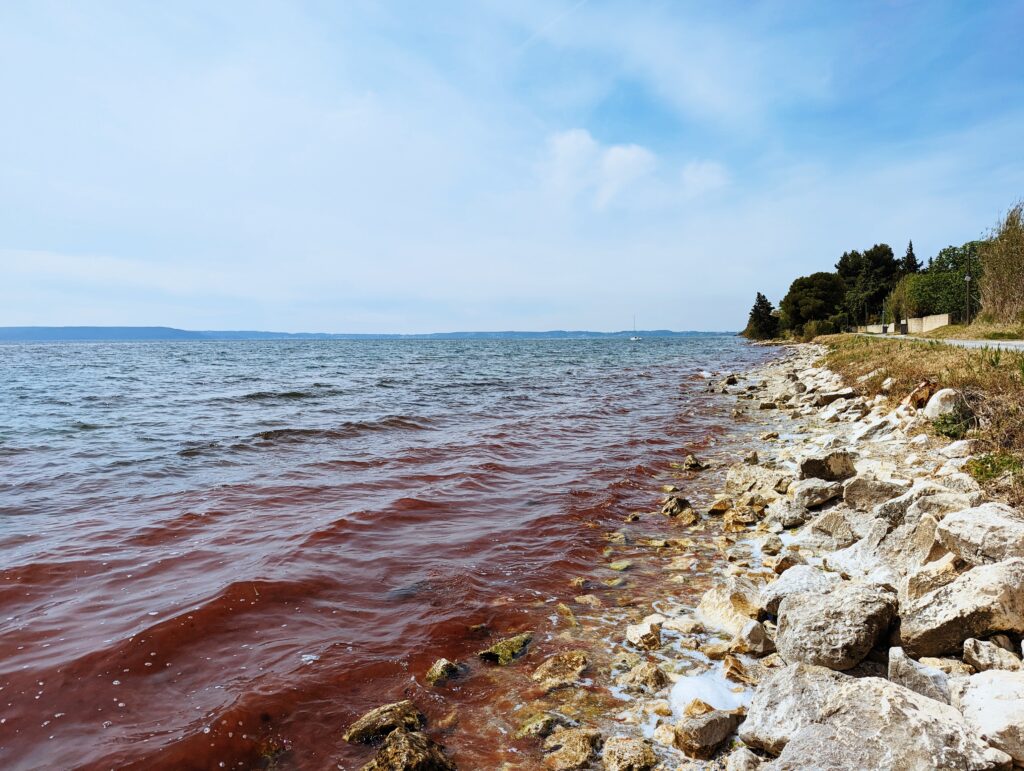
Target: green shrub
987, 468
954, 425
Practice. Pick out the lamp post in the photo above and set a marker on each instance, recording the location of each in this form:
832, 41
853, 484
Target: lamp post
967, 282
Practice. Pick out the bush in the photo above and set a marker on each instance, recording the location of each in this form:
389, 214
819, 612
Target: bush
812, 298
1002, 260
813, 329
995, 465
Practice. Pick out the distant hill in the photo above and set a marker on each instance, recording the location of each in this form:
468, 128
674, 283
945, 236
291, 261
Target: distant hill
137, 334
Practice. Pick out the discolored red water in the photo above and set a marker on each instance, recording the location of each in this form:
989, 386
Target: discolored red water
219, 555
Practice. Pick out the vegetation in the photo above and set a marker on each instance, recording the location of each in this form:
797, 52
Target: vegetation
812, 298
763, 324
991, 382
1002, 262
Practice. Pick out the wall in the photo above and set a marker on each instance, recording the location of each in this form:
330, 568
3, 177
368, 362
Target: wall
914, 326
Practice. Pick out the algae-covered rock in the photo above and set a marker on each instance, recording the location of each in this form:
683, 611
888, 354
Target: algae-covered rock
383, 720
561, 669
625, 754
539, 724
571, 748
441, 670
410, 751
620, 565
645, 676
503, 651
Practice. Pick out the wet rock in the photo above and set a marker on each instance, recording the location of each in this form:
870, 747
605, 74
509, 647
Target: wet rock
693, 463
674, 505
919, 678
993, 704
984, 534
441, 670
864, 493
738, 520
729, 605
381, 721
944, 402
832, 466
798, 579
700, 736
771, 545
646, 634
409, 751
810, 493
985, 655
561, 670
752, 458
539, 725
817, 718
769, 435
786, 513
985, 600
834, 630
645, 676
504, 651
720, 506
624, 754
571, 748
590, 600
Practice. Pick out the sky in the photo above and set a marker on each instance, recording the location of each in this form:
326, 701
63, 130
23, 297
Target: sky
401, 166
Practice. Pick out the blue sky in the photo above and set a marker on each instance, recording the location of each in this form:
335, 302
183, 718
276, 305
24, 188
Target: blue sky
406, 166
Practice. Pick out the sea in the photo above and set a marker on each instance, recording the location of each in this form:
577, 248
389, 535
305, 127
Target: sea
219, 554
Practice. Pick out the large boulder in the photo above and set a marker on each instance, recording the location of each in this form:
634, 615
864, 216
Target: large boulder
864, 493
835, 630
700, 736
895, 509
809, 493
944, 402
838, 722
983, 601
796, 580
833, 466
993, 704
729, 605
988, 533
920, 678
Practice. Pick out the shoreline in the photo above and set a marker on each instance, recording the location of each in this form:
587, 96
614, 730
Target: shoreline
844, 538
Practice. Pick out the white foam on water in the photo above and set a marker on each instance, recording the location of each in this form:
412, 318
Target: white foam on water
710, 687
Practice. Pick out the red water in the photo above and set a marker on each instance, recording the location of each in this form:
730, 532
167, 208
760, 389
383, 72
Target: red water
237, 603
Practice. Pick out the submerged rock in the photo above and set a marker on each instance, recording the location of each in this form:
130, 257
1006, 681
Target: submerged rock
644, 676
539, 725
381, 721
503, 651
410, 751
571, 748
561, 669
834, 630
692, 463
624, 754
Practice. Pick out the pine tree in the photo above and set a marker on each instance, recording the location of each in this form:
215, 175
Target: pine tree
909, 263
762, 325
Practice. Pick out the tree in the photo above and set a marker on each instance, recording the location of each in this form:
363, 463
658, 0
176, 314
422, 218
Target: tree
909, 264
817, 297
762, 324
868, 278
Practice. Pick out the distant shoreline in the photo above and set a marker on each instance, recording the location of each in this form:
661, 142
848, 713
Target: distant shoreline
171, 334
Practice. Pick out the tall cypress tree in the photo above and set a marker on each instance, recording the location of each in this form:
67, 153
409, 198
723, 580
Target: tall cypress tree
762, 325
909, 263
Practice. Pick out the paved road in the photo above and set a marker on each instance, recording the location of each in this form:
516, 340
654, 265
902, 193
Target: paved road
1006, 345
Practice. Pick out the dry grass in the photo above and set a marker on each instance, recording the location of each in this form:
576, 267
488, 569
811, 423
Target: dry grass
991, 381
977, 331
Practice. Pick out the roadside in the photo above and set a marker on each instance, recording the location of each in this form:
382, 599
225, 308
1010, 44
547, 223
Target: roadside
1005, 345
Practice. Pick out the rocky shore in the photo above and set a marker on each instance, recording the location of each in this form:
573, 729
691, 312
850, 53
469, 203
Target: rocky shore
870, 614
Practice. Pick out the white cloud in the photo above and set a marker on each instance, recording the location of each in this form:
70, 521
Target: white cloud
578, 166
702, 177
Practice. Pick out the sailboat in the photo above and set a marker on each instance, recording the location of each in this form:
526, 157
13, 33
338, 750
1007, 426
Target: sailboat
635, 336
